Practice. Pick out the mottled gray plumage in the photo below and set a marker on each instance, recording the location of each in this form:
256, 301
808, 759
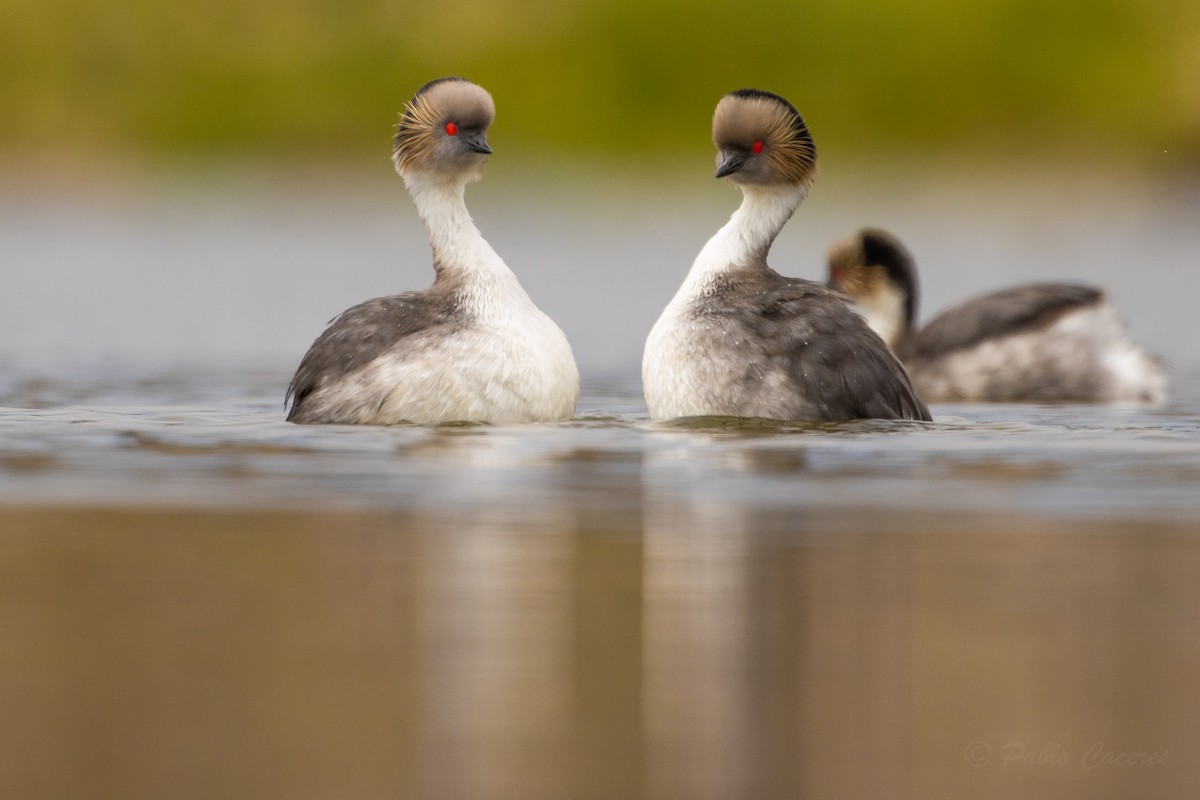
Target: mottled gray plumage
362, 333
800, 352
1002, 313
1038, 342
474, 346
739, 339
940, 354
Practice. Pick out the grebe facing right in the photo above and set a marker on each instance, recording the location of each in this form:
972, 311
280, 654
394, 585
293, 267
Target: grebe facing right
1038, 342
739, 339
472, 347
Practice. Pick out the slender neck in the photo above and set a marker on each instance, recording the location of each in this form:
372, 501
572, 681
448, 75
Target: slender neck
745, 239
885, 312
459, 249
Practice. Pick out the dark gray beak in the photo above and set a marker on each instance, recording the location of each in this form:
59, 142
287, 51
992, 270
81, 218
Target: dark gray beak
478, 143
729, 164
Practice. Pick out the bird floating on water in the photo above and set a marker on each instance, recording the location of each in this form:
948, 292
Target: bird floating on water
739, 339
1040, 342
473, 346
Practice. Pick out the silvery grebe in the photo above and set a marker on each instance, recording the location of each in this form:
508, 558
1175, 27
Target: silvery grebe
473, 346
739, 339
1039, 342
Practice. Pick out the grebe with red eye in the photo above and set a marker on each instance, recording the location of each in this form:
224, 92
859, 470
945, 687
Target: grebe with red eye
472, 347
1039, 342
739, 339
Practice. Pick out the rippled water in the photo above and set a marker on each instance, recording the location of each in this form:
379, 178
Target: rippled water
212, 439
200, 600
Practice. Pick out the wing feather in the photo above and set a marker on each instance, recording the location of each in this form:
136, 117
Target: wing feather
827, 352
1001, 313
362, 333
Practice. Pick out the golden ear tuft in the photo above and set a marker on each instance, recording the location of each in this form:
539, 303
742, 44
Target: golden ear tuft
438, 102
748, 116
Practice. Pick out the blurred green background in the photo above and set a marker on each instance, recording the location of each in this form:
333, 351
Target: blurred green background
1093, 80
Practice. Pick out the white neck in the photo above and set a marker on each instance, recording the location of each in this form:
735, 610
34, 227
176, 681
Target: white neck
884, 313
459, 250
748, 235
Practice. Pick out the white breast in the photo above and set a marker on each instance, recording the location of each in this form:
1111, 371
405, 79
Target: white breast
669, 378
686, 367
515, 368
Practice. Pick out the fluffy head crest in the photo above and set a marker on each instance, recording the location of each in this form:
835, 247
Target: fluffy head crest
763, 139
870, 263
423, 139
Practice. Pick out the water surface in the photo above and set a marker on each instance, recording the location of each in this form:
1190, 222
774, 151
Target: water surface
201, 600
198, 599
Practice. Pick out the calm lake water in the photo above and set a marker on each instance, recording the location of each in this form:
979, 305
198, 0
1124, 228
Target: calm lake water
200, 600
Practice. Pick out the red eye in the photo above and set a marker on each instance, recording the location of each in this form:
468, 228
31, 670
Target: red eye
451, 129
757, 147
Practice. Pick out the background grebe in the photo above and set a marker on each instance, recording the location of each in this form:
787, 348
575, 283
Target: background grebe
1035, 342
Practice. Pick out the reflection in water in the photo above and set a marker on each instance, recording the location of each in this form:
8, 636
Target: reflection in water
721, 651
700, 646
777, 653
600, 609
498, 617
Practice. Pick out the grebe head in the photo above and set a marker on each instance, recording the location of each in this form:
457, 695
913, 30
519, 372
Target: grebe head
443, 131
875, 270
762, 140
